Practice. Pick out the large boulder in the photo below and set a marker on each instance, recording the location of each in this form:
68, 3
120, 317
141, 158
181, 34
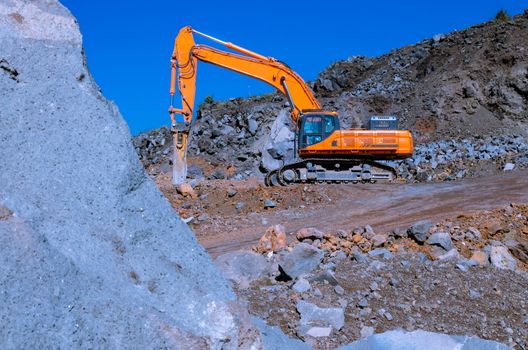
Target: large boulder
304, 258
501, 258
242, 267
92, 255
313, 316
278, 149
441, 239
420, 230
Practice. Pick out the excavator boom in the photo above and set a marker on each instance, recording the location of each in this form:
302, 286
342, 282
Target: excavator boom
267, 69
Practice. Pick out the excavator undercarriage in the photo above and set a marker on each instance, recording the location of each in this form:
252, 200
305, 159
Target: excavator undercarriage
330, 171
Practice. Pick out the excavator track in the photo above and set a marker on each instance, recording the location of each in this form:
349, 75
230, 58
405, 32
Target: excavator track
330, 171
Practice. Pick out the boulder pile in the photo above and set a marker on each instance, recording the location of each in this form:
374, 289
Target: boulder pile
444, 160
332, 288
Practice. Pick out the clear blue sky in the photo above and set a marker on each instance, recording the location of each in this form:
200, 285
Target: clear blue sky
129, 43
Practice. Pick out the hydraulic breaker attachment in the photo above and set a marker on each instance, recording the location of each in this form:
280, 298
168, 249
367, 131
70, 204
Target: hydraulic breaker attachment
180, 133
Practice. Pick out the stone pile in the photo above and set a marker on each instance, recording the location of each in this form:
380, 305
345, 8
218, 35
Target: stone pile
331, 288
455, 159
444, 160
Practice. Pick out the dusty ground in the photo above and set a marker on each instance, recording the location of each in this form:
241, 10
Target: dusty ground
411, 290
407, 290
333, 207
436, 297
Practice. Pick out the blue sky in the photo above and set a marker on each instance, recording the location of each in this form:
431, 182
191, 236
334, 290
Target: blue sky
129, 42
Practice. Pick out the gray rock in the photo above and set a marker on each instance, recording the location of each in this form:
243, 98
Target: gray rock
363, 303
326, 275
450, 255
107, 263
231, 192
379, 239
242, 267
339, 290
360, 257
240, 205
472, 234
463, 267
318, 332
501, 258
419, 230
377, 265
509, 166
368, 232
312, 315
5, 213
195, 172
303, 259
338, 255
218, 174
301, 286
203, 217
309, 232
366, 331
374, 286
253, 126
383, 252
268, 163
442, 239
280, 141
419, 340
274, 339
268, 203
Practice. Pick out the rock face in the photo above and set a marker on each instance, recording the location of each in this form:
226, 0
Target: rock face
91, 253
467, 82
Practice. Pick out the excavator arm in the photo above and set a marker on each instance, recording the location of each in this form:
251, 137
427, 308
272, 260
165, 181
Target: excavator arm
184, 64
267, 69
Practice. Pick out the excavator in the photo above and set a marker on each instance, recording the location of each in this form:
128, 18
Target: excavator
325, 153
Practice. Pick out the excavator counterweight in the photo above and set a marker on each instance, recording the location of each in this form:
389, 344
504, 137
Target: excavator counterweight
327, 152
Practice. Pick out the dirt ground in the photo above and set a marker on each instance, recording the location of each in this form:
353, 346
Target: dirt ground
409, 290
405, 292
330, 207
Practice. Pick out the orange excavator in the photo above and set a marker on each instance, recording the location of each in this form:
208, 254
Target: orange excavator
325, 152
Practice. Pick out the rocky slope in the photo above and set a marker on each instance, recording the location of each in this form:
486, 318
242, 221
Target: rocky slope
465, 83
470, 84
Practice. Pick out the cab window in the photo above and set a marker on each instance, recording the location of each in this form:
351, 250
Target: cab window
329, 125
313, 125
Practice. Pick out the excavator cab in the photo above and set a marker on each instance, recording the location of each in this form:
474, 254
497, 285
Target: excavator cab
315, 128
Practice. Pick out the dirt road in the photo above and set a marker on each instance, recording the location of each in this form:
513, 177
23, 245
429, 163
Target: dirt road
383, 206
